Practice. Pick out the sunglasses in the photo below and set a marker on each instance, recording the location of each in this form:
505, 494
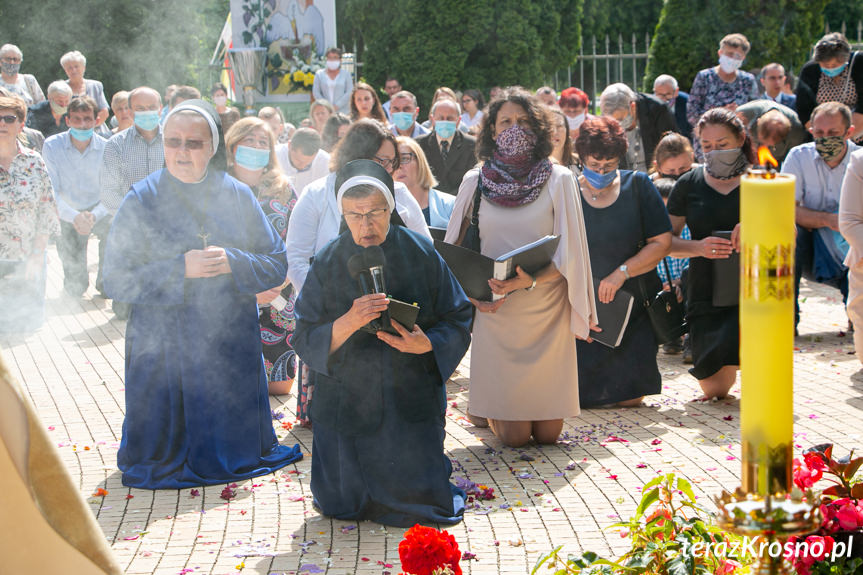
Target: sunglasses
175, 143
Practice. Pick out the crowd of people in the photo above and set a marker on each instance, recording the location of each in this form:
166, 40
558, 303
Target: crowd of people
242, 251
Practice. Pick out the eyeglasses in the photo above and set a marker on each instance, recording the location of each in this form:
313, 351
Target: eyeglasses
8, 60
10, 119
357, 218
387, 163
175, 143
406, 158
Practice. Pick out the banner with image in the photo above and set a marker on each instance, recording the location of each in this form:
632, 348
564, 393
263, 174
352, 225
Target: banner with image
295, 33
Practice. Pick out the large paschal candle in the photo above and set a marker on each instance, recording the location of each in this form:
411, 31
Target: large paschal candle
767, 327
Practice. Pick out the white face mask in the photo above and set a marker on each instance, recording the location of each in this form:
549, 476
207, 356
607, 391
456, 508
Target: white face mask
220, 100
576, 122
333, 64
729, 65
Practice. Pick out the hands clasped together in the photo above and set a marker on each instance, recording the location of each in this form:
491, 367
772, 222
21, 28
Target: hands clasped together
207, 263
370, 307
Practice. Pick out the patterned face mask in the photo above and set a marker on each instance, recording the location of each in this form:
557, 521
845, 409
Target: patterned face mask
830, 147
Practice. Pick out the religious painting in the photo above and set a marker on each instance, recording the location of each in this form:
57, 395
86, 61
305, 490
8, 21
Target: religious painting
295, 33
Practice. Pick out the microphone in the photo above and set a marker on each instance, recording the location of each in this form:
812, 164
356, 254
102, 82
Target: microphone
367, 267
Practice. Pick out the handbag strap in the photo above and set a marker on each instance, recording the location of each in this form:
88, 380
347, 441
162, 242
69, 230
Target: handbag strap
474, 216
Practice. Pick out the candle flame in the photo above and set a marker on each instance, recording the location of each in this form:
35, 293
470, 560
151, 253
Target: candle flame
766, 159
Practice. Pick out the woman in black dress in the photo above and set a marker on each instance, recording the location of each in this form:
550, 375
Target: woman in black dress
628, 233
707, 199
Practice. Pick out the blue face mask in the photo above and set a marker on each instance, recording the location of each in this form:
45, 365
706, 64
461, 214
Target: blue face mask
402, 120
444, 129
833, 72
252, 158
597, 180
81, 135
147, 120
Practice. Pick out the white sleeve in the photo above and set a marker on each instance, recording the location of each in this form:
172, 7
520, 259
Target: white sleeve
410, 210
302, 236
791, 165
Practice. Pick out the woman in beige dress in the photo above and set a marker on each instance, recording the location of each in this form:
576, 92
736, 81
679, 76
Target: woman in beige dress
524, 375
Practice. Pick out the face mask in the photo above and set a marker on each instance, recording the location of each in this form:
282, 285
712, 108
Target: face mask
333, 64
725, 164
147, 120
220, 100
833, 72
81, 135
599, 181
514, 143
57, 108
444, 129
10, 69
252, 158
575, 122
830, 148
627, 122
729, 65
402, 120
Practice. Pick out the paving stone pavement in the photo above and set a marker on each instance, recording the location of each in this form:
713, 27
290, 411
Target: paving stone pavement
567, 494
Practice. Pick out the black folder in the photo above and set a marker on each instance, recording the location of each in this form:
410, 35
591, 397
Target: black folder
404, 313
473, 270
437, 233
726, 277
613, 317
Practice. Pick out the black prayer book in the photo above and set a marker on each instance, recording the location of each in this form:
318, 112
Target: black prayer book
613, 317
473, 270
726, 277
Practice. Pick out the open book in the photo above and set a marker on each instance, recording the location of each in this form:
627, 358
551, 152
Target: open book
473, 270
613, 317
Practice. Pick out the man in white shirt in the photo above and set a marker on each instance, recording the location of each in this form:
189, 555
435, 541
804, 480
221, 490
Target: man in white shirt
74, 162
403, 115
819, 167
302, 159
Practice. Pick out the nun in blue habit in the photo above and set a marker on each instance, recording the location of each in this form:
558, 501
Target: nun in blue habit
380, 400
189, 248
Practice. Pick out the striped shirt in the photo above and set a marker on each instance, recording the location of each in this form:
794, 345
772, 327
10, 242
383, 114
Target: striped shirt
128, 159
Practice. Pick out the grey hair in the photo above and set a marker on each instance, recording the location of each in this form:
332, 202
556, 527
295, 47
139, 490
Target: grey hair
11, 48
59, 87
665, 80
73, 56
405, 94
616, 97
361, 191
446, 101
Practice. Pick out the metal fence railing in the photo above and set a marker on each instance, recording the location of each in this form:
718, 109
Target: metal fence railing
606, 62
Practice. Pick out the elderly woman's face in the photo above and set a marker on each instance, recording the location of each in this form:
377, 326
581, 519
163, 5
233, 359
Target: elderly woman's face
10, 125
74, 69
601, 165
368, 219
508, 116
125, 115
188, 147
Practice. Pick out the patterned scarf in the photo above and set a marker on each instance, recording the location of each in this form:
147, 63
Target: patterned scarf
511, 178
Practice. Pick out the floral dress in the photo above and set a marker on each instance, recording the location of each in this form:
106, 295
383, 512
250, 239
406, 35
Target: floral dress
710, 91
27, 210
277, 327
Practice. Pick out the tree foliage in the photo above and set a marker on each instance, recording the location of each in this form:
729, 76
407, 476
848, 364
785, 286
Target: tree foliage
477, 44
688, 34
127, 43
614, 19
848, 11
